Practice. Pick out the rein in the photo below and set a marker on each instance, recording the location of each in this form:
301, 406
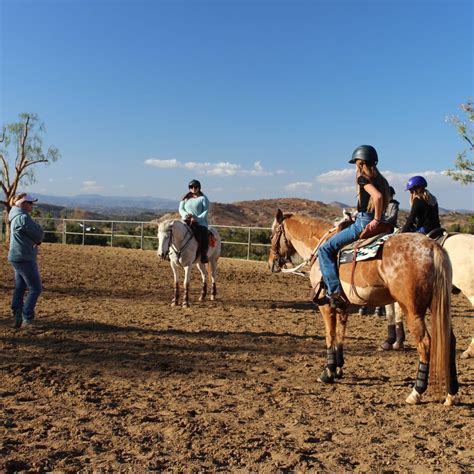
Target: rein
173, 247
311, 260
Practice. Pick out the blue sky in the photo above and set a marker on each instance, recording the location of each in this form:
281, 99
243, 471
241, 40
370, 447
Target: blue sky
256, 98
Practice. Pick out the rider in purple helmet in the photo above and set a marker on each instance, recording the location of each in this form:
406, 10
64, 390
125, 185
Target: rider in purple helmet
424, 214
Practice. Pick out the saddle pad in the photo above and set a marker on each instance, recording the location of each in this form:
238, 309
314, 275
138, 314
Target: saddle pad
370, 249
212, 239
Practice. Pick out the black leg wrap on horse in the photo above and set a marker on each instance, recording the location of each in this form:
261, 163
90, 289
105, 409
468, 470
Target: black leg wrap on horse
331, 358
421, 383
340, 356
329, 373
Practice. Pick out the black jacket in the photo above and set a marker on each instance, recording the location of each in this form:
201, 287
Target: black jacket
422, 215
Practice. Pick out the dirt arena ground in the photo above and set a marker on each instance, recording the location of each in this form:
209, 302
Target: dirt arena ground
115, 379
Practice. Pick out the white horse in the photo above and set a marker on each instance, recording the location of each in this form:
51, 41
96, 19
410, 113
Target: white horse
176, 239
460, 248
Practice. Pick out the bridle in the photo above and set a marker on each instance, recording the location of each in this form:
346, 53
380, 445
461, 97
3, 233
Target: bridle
281, 260
172, 246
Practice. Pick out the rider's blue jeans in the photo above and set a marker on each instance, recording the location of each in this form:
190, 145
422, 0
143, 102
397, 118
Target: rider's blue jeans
27, 277
327, 253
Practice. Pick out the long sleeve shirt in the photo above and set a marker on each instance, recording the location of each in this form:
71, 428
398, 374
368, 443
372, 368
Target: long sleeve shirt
422, 217
198, 207
25, 235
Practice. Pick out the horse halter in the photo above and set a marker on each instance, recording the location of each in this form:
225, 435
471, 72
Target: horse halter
280, 259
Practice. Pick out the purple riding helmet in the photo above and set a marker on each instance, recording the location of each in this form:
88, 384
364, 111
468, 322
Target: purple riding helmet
416, 182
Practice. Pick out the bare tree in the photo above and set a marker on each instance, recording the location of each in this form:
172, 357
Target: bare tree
464, 166
21, 148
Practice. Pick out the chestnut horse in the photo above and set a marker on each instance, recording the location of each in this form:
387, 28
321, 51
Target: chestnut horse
410, 269
176, 240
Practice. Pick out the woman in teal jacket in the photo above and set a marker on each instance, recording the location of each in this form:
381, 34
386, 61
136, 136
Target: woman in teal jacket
25, 236
194, 208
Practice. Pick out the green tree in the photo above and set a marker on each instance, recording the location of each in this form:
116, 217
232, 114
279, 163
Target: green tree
464, 165
21, 149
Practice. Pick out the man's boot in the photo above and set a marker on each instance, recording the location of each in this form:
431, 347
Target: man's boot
18, 318
400, 333
387, 345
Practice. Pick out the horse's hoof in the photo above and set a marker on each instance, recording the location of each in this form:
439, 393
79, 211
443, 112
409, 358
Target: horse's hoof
185, 304
326, 376
387, 346
414, 398
398, 346
450, 400
339, 373
469, 352
212, 298
173, 303
201, 299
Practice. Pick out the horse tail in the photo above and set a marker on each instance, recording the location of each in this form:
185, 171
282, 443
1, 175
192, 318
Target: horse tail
441, 352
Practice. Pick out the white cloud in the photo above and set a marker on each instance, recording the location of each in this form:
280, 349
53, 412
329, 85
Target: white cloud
302, 186
91, 187
163, 163
222, 168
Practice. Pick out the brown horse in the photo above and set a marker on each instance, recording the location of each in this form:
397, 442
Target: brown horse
410, 269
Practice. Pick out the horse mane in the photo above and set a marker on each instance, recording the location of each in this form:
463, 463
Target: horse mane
163, 226
307, 227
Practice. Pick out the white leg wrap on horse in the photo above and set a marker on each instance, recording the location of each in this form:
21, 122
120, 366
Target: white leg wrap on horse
414, 398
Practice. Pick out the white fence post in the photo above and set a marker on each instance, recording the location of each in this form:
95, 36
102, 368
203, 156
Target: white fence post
248, 245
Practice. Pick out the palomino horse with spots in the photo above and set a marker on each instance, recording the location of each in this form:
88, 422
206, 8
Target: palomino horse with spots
176, 240
460, 248
410, 269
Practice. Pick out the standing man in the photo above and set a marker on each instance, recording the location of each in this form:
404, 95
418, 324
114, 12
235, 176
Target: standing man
25, 236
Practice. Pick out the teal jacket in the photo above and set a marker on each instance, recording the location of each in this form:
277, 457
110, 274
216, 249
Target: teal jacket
25, 235
198, 207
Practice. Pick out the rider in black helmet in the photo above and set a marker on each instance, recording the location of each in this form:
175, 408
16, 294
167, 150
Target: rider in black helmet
373, 197
365, 153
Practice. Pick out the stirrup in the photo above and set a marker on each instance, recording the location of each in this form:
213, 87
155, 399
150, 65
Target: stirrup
337, 300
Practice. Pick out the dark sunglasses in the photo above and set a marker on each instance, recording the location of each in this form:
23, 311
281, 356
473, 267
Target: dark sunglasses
193, 187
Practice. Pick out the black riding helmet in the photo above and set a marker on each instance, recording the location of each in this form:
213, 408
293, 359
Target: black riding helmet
194, 183
365, 153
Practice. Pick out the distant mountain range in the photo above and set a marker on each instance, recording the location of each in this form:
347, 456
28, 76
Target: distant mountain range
131, 205
109, 204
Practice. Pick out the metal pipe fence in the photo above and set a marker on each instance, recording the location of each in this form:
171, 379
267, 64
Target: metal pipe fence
250, 243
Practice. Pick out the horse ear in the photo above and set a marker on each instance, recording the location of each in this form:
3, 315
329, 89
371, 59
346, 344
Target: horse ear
279, 216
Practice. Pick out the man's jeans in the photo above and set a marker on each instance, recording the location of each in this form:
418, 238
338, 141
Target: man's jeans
26, 277
327, 253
